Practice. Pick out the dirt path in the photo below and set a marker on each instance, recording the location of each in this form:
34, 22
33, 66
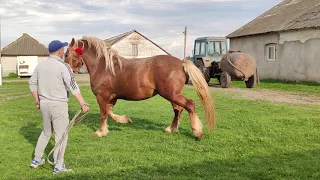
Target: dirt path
267, 95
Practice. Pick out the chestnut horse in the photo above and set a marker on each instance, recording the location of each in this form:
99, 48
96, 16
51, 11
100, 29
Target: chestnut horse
114, 77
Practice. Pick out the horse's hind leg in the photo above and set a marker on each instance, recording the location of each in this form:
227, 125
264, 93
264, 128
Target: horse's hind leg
175, 123
189, 105
124, 119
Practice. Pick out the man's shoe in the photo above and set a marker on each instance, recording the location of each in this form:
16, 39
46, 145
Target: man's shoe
35, 164
61, 170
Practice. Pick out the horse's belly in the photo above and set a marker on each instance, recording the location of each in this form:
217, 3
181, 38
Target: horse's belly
137, 94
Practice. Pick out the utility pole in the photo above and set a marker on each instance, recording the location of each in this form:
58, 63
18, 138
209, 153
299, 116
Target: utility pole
185, 42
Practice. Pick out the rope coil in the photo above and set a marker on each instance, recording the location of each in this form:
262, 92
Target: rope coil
71, 123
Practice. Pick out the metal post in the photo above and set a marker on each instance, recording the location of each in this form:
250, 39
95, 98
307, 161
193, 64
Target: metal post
0, 75
185, 42
0, 56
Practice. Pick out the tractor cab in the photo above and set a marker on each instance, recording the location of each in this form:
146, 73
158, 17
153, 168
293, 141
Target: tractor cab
212, 48
207, 53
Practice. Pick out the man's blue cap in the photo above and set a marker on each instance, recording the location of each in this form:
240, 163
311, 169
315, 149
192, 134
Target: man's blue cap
56, 45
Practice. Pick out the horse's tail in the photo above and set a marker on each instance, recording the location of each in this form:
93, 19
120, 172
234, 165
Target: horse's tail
202, 89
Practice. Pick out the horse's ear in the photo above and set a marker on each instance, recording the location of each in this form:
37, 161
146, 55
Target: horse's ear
72, 42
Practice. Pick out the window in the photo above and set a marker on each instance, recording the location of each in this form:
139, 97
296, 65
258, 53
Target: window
217, 47
134, 49
271, 52
197, 51
203, 49
223, 48
210, 48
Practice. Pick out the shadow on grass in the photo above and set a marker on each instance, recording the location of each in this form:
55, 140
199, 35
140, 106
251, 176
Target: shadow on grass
92, 121
295, 165
31, 133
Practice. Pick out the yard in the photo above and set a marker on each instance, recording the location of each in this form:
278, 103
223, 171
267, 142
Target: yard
255, 138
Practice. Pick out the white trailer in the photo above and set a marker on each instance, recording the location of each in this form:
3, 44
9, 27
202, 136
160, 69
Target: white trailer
26, 65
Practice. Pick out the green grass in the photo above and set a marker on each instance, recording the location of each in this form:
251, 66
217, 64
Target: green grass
16, 78
301, 88
252, 140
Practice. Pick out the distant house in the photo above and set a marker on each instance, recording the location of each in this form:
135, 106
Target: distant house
133, 44
23, 46
285, 41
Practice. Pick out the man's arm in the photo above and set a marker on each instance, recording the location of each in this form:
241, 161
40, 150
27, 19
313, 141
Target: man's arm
33, 86
68, 77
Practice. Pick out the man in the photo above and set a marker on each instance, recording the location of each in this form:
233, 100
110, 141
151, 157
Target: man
49, 85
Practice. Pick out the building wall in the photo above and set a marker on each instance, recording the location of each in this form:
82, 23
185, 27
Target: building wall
9, 64
301, 55
255, 45
145, 47
297, 54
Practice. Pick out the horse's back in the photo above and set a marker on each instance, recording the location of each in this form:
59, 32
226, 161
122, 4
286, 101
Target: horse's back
169, 74
156, 64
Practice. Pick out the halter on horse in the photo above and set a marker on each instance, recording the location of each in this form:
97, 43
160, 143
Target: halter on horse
114, 77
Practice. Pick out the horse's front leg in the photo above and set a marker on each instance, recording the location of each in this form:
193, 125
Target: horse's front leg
103, 104
124, 119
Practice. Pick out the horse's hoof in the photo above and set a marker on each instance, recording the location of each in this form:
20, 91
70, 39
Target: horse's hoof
105, 133
97, 134
199, 138
129, 121
168, 130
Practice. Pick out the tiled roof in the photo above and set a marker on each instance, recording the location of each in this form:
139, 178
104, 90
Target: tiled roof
25, 46
287, 15
113, 40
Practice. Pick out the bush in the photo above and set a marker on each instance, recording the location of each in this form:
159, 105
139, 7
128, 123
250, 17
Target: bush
13, 75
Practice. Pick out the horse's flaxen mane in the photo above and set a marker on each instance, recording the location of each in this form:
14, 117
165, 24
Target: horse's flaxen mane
103, 49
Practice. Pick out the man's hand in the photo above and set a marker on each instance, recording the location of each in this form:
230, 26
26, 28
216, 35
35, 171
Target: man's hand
36, 98
85, 107
38, 105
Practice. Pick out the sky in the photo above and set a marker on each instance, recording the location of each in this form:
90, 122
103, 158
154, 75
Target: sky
163, 22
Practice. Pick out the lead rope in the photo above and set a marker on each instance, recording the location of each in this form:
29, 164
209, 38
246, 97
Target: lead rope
72, 122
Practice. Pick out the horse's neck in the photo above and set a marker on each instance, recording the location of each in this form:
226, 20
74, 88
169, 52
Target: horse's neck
98, 67
91, 63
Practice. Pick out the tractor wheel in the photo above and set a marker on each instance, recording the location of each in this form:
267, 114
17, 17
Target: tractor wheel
225, 80
205, 71
251, 81
218, 78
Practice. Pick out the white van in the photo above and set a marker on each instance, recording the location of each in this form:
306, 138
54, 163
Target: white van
26, 65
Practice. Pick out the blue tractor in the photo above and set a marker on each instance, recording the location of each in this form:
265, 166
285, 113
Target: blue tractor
207, 54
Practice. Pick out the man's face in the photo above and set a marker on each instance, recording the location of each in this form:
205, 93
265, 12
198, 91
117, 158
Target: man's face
61, 52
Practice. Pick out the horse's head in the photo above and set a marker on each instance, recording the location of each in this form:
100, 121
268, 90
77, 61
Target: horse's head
94, 51
73, 55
